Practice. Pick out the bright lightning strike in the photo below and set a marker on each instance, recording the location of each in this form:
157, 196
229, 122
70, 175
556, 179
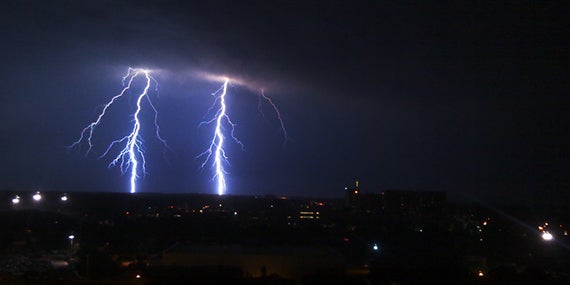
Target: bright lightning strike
132, 152
216, 148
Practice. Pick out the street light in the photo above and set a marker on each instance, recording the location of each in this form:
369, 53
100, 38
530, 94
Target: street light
37, 197
71, 237
547, 236
16, 200
63, 198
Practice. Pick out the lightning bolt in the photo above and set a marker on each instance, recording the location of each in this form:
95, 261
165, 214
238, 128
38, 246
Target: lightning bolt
216, 148
286, 136
128, 157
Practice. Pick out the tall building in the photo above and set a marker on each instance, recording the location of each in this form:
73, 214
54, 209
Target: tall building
352, 197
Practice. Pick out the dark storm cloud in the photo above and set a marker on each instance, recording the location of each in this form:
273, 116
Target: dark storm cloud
264, 42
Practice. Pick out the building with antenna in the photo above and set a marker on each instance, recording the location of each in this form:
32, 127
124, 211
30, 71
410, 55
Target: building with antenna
352, 200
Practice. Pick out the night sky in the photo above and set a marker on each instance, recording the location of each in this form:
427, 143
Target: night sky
471, 99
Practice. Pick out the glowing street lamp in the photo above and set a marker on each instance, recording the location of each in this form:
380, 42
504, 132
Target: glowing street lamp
16, 200
375, 247
63, 198
37, 197
547, 236
71, 237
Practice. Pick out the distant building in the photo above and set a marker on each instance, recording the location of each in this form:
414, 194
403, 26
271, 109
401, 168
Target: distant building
402, 208
358, 202
309, 215
352, 201
415, 209
412, 201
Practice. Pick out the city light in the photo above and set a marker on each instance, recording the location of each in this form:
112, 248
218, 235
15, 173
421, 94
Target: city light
37, 197
547, 236
64, 197
375, 247
16, 200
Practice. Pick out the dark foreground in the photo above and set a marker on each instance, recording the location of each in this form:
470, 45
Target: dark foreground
364, 239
